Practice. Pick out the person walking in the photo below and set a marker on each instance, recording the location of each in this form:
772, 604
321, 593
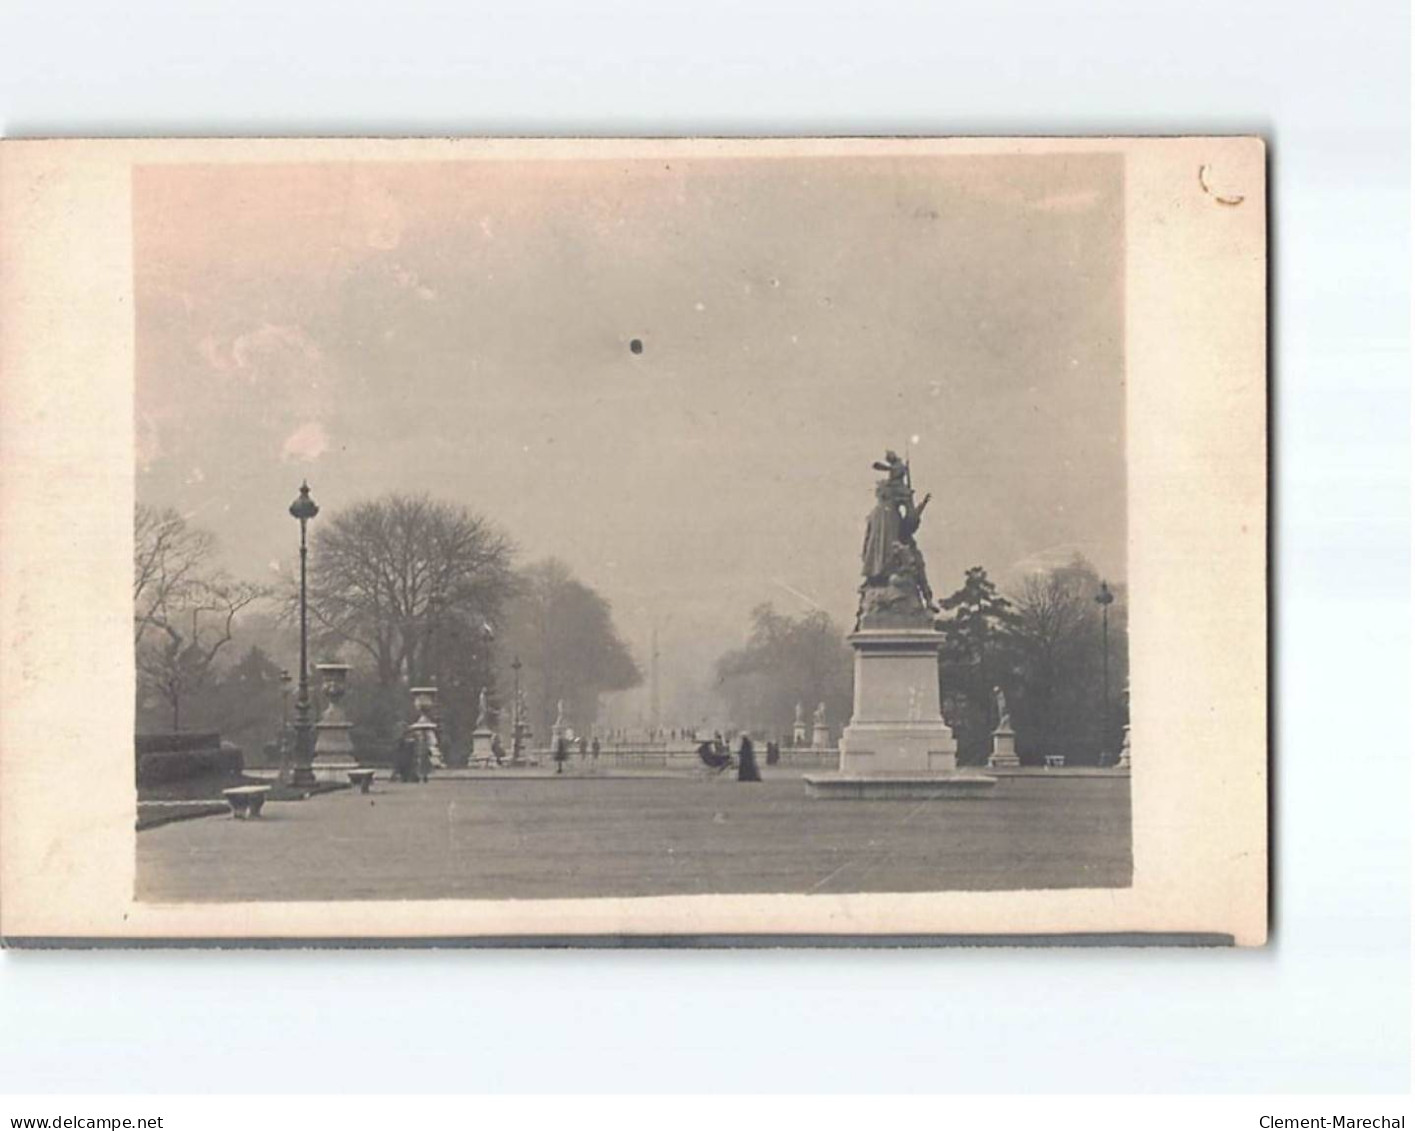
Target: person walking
747, 761
562, 752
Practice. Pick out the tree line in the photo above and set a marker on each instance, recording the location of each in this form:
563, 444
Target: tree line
409, 590
1044, 645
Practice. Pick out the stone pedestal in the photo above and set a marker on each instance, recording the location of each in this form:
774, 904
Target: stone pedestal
482, 752
798, 734
1004, 749
820, 736
333, 748
897, 744
426, 729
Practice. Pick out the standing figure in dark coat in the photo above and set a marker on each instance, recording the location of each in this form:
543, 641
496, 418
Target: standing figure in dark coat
773, 753
747, 761
404, 757
562, 752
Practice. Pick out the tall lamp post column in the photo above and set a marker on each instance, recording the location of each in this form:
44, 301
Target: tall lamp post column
1104, 599
302, 773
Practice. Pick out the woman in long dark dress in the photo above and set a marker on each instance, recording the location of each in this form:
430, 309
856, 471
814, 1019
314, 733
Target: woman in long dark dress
747, 762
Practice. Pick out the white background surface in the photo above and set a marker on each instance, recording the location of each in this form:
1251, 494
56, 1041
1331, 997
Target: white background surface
1324, 1008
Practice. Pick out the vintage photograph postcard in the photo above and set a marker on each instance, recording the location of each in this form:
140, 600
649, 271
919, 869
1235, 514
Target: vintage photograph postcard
775, 540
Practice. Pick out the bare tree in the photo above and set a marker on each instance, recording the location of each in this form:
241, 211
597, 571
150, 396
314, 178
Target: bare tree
168, 560
183, 637
184, 611
1057, 640
390, 575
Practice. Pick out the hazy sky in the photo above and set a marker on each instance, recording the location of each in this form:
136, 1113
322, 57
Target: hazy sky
463, 328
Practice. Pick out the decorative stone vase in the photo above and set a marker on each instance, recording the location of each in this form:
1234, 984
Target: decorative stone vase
333, 746
425, 703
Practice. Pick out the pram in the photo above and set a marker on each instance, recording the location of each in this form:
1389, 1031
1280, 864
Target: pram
715, 756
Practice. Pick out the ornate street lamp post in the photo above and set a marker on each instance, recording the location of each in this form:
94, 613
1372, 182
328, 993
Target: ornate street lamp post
304, 509
1104, 599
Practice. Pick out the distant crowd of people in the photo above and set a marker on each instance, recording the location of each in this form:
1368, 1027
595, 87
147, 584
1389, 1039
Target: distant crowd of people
414, 758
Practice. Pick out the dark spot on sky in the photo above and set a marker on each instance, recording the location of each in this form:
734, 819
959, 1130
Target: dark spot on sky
636, 346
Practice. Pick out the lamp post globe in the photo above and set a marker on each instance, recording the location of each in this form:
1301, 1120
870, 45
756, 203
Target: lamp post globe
303, 509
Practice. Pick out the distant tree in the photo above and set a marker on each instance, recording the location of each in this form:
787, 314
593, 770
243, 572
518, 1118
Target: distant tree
395, 576
242, 701
1057, 639
977, 624
787, 660
563, 632
184, 609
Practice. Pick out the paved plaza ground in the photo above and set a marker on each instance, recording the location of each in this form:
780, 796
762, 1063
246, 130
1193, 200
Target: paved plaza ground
529, 838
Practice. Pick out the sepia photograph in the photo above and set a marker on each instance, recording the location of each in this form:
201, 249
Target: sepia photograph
698, 566
541, 526
658, 527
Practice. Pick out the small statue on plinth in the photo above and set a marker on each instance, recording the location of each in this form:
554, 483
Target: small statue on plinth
483, 737
1004, 717
1004, 739
820, 732
798, 728
896, 591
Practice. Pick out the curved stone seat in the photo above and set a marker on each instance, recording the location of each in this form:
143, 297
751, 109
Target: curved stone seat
363, 778
246, 801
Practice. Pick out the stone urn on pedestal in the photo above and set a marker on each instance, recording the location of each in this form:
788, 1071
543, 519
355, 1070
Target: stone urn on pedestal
897, 744
333, 746
425, 730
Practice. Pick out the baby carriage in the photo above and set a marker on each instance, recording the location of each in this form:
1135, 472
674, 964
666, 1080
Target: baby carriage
715, 756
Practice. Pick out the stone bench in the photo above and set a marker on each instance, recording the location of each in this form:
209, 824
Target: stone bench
362, 778
245, 800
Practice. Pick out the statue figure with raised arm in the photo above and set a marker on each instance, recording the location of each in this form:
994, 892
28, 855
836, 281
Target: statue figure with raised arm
896, 591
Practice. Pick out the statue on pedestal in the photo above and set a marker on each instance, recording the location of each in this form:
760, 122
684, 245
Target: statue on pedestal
1004, 717
897, 744
896, 591
483, 712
